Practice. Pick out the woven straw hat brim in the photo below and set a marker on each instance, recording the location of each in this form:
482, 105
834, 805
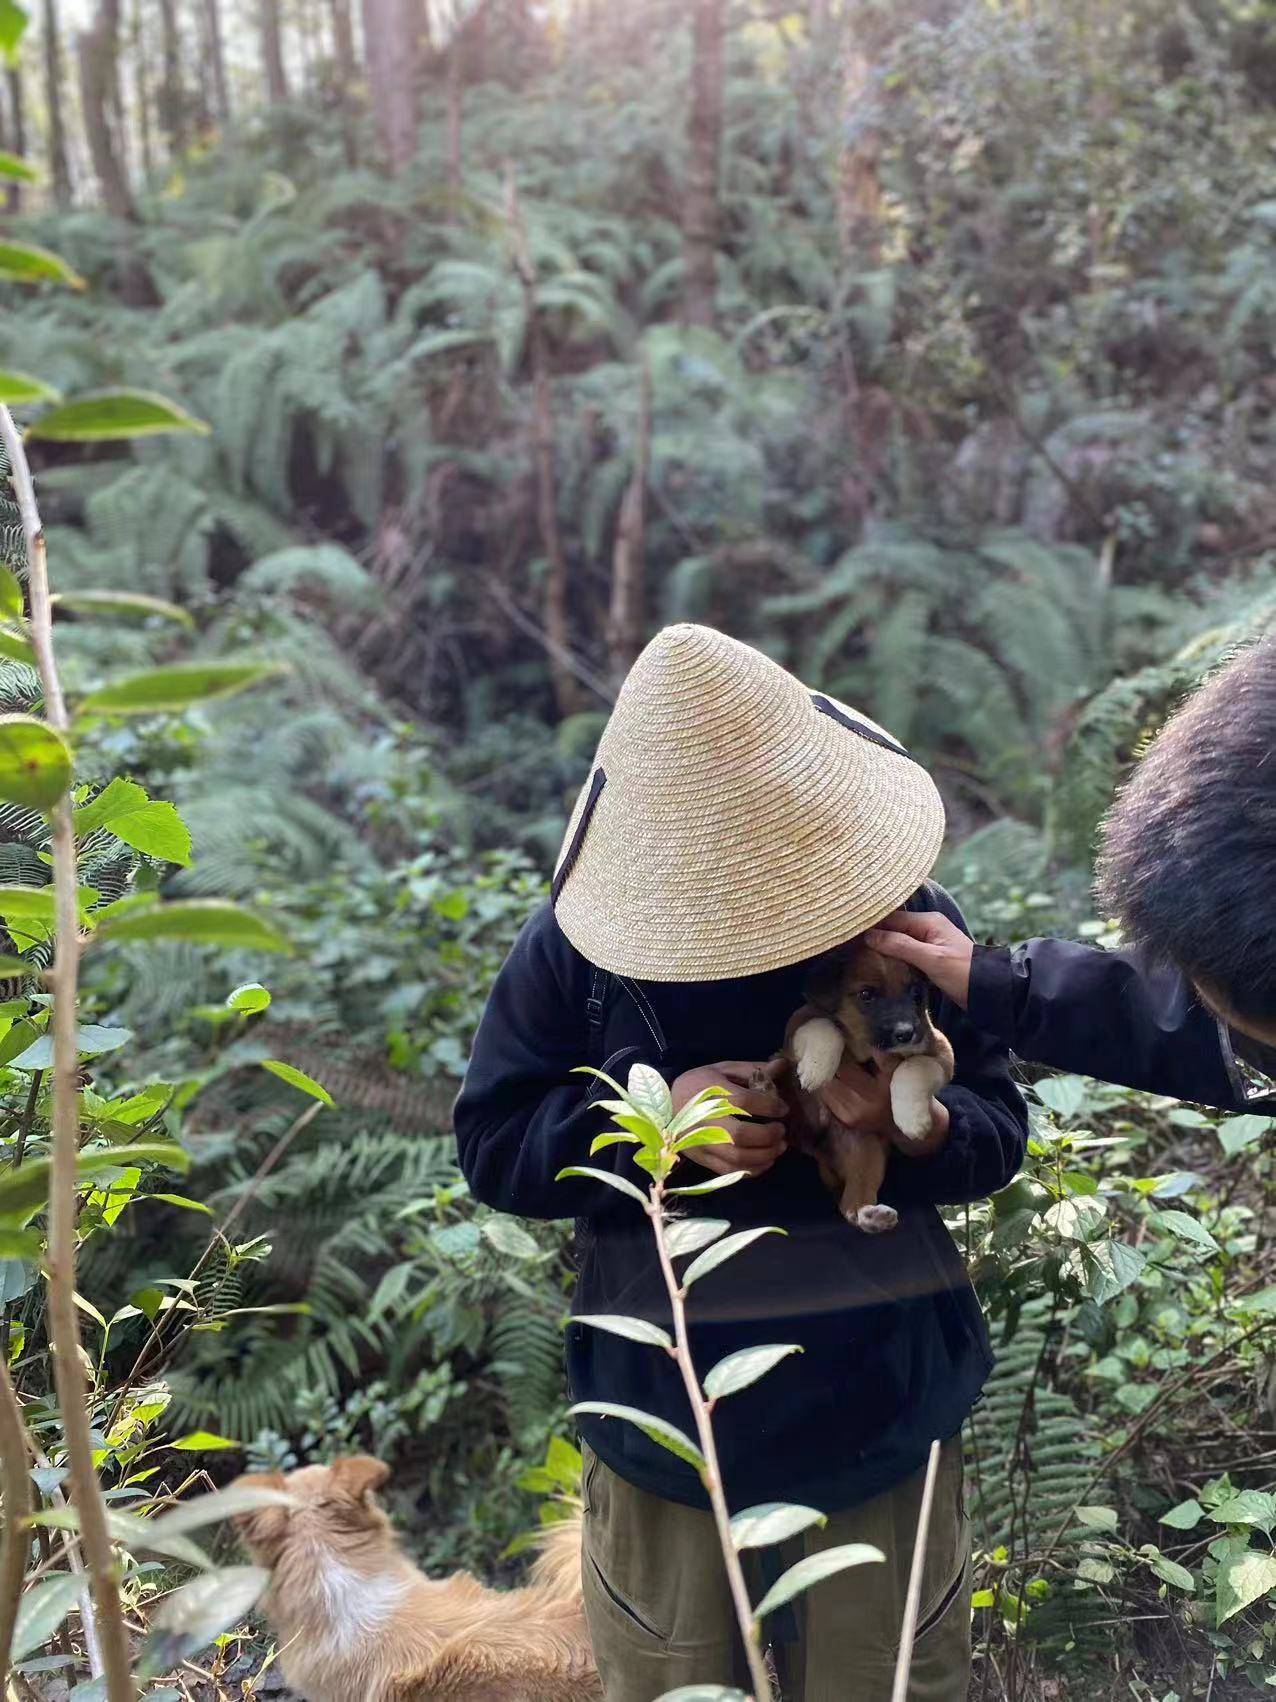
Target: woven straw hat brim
738, 828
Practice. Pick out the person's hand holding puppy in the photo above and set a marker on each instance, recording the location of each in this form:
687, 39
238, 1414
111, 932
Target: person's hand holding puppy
757, 1139
861, 1099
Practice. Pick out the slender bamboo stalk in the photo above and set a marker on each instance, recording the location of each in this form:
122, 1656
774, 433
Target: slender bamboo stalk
14, 1537
712, 1476
908, 1631
64, 1329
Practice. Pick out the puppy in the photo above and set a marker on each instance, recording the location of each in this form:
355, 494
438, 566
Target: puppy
358, 1622
861, 1000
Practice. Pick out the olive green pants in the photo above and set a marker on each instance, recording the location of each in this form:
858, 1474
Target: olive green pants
660, 1613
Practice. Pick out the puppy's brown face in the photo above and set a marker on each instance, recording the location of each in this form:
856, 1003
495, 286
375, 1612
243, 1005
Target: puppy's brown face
879, 1002
333, 1507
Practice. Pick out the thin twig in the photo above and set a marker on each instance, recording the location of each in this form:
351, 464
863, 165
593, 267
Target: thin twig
14, 1538
912, 1603
64, 1329
28, 1117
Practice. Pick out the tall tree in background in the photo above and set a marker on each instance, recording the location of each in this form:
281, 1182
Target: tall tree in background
272, 51
59, 170
98, 49
343, 42
859, 199
700, 212
172, 97
217, 61
16, 136
390, 48
141, 87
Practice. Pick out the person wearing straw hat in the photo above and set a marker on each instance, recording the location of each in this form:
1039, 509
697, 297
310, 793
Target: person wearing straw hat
735, 826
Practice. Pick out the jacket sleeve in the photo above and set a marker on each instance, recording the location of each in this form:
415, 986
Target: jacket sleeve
988, 1121
1107, 1014
521, 1115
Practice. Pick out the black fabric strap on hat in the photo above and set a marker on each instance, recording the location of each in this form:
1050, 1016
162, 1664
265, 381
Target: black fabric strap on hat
578, 838
835, 713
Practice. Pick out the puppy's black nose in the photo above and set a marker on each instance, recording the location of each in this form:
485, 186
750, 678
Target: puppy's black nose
903, 1033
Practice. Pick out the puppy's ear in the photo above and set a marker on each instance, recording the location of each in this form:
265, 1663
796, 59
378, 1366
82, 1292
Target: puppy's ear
823, 984
357, 1475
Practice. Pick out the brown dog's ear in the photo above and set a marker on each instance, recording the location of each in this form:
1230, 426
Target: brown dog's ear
358, 1475
823, 983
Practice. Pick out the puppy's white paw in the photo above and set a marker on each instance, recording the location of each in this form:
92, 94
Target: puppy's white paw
817, 1051
875, 1220
912, 1088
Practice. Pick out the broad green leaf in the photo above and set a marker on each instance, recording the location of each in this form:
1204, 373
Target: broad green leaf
1110, 1267
1245, 1579
103, 416
1064, 1095
27, 903
690, 1234
26, 263
1076, 1218
298, 1079
1262, 1300
10, 967
250, 998
812, 1570
148, 825
1172, 1572
35, 762
1186, 1228
1097, 1518
19, 388
24, 1191
636, 1329
42, 1609
198, 1613
773, 1521
15, 644
508, 1237
1237, 1133
1095, 1571
650, 1093
727, 1180
1245, 1507
12, 606
203, 921
601, 1142
218, 1505
743, 1367
723, 1250
121, 603
659, 1429
13, 23
710, 1101
203, 1442
1185, 1517
91, 1041
18, 171
133, 1532
167, 690
622, 1183
710, 1135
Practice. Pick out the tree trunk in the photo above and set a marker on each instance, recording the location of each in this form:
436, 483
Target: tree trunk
272, 48
704, 151
59, 170
217, 61
343, 43
455, 114
859, 200
172, 97
389, 34
626, 618
141, 88
98, 55
17, 136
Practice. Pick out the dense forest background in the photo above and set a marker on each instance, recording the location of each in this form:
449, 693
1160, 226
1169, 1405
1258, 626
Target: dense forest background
926, 345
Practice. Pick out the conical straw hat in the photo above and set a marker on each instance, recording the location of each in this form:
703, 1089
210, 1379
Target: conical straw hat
734, 821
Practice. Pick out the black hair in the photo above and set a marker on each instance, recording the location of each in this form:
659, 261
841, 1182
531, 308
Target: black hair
1188, 858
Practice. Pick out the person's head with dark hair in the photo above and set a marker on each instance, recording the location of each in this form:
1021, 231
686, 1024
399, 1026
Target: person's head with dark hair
1188, 860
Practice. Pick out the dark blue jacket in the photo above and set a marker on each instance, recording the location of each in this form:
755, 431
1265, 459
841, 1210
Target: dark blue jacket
895, 1350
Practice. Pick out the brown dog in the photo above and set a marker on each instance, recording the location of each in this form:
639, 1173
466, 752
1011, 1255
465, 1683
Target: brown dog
358, 1622
859, 1000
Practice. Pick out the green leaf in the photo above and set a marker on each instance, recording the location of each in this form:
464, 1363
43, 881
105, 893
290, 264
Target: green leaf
717, 1255
35, 762
217, 1506
203, 1442
27, 903
509, 1237
650, 1093
1186, 1228
1110, 1267
622, 1183
148, 825
103, 416
24, 1191
42, 1609
198, 1613
1237, 1133
1185, 1517
12, 606
1245, 1507
167, 690
1064, 1095
773, 1521
250, 998
690, 1234
91, 1041
13, 24
1076, 1218
1243, 1580
813, 1570
1172, 1572
15, 645
1097, 1518
727, 1180
121, 603
18, 388
203, 921
659, 1429
25, 262
743, 1367
710, 1135
134, 1532
636, 1329
1095, 1571
298, 1079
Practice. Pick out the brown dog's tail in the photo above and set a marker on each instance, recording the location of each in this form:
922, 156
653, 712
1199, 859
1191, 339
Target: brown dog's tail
556, 1568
